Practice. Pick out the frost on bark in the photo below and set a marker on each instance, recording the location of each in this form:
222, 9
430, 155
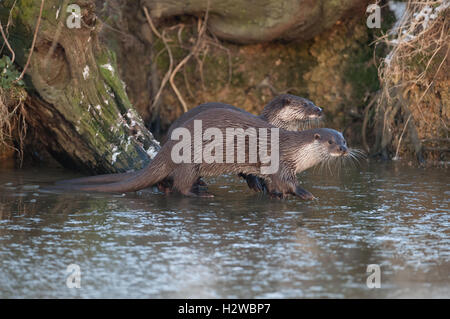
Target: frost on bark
78, 106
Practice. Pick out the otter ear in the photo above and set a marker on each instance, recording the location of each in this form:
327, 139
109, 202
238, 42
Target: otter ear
286, 101
317, 136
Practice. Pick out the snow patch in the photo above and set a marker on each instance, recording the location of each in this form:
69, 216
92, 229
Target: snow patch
123, 85
128, 143
398, 8
151, 152
423, 18
114, 155
109, 67
86, 72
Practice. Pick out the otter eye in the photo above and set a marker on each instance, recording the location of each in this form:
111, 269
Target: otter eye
330, 142
316, 136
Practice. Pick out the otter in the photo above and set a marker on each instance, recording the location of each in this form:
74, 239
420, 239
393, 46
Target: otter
286, 111
298, 151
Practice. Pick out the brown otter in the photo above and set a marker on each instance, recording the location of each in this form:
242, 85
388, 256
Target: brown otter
286, 111
298, 151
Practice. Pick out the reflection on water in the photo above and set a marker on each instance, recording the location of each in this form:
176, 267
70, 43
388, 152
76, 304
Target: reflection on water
238, 244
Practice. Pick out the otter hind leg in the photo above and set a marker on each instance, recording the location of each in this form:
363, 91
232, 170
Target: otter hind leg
185, 181
200, 183
165, 186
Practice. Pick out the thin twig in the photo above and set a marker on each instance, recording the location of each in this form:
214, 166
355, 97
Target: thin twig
7, 43
230, 64
186, 82
33, 43
401, 136
55, 38
366, 120
150, 22
193, 51
169, 52
8, 24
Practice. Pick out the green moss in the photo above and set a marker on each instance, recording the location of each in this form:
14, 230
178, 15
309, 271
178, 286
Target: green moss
27, 10
107, 65
238, 79
362, 73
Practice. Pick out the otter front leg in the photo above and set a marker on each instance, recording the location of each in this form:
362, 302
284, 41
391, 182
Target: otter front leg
303, 193
296, 190
277, 188
254, 182
282, 187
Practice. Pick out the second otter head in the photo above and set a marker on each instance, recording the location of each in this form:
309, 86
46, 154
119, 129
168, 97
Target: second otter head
290, 112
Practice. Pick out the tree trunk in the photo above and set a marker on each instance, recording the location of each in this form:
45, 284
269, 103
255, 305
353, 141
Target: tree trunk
78, 106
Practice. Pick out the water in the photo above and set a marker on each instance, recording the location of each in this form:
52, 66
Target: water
238, 244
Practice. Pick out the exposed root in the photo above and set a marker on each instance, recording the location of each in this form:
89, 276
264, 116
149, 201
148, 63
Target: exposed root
193, 52
6, 42
5, 33
369, 106
416, 63
13, 127
197, 52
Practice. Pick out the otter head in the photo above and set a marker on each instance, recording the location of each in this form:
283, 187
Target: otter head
331, 142
311, 147
290, 112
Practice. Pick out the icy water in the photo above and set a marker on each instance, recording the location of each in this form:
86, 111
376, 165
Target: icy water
236, 245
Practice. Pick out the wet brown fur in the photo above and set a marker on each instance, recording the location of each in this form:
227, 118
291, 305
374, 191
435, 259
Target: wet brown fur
298, 152
285, 111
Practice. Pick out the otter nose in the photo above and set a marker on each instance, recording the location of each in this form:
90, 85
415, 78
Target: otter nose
319, 111
343, 149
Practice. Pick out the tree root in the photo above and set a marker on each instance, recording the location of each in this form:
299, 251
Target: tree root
198, 51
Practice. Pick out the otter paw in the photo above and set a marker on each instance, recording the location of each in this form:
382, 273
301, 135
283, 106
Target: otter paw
206, 195
255, 183
199, 194
164, 188
200, 183
304, 194
276, 195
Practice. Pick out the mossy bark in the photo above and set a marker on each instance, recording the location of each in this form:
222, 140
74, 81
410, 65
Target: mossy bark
78, 105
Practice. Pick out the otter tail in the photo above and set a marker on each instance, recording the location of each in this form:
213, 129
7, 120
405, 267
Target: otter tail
156, 171
99, 179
